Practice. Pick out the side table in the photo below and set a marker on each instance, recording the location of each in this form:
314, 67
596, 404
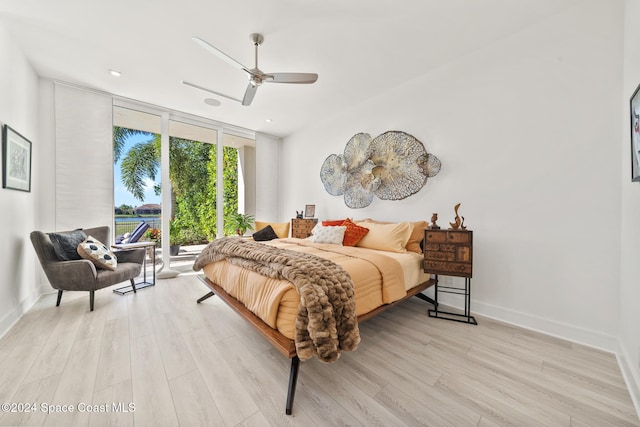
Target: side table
144, 283
450, 253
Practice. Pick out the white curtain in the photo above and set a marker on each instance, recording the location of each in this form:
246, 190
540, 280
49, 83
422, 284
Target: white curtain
83, 158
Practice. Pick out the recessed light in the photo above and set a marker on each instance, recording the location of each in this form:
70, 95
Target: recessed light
212, 102
268, 120
115, 73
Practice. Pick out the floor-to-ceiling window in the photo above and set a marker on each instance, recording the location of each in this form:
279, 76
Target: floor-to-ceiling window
198, 172
136, 172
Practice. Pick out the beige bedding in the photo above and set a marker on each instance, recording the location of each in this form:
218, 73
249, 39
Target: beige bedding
379, 278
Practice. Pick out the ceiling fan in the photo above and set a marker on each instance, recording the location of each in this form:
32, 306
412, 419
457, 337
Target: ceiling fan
256, 76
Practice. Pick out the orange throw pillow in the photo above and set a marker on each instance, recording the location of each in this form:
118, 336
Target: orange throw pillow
353, 234
333, 222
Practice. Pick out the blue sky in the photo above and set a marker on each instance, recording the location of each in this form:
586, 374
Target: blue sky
120, 194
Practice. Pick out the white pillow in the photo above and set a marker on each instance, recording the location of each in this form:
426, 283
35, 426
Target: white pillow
329, 234
95, 251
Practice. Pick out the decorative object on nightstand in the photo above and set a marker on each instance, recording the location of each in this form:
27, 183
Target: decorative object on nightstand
457, 223
450, 253
309, 211
433, 225
299, 214
301, 228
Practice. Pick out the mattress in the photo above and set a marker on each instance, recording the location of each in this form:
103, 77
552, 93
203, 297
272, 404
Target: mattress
379, 278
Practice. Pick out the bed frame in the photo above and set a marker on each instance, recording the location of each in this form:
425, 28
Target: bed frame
287, 346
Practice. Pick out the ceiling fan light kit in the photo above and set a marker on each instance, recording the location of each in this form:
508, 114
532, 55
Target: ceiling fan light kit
256, 76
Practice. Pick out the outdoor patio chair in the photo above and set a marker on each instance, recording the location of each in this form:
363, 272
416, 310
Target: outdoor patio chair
135, 235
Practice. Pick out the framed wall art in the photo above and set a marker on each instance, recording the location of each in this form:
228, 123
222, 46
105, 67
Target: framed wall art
634, 108
16, 160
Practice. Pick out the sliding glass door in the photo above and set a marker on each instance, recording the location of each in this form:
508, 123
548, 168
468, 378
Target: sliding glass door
198, 173
136, 173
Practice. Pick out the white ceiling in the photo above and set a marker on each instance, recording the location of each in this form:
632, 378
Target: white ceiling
359, 48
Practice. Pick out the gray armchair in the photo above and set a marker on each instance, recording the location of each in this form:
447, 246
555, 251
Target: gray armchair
82, 275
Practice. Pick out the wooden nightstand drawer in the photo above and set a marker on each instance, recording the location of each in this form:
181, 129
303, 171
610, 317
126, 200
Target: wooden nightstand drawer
436, 236
448, 268
301, 227
458, 236
440, 256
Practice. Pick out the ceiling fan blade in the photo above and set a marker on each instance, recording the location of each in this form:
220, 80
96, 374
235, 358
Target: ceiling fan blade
300, 78
220, 54
249, 94
211, 91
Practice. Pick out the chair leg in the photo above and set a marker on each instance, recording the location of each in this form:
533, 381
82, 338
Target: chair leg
59, 297
92, 295
133, 286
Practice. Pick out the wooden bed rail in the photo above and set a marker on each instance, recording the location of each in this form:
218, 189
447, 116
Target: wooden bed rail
285, 345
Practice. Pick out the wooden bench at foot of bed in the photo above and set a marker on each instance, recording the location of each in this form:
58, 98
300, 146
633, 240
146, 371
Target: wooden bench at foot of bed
285, 345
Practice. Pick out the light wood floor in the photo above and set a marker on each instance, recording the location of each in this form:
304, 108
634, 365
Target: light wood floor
188, 364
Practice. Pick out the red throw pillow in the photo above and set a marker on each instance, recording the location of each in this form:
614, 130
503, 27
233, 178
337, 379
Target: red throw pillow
333, 222
353, 233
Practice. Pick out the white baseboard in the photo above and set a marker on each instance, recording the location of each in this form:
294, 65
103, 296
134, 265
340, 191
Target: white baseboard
631, 375
10, 319
612, 344
568, 332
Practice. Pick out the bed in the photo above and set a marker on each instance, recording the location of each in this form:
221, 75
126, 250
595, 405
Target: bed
269, 284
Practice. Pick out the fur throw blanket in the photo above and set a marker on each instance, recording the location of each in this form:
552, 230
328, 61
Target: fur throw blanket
326, 322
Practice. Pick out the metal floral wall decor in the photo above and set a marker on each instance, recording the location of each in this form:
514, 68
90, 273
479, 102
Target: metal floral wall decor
392, 166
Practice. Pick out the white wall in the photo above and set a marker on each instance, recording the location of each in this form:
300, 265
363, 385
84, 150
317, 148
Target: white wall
18, 109
527, 129
268, 164
630, 237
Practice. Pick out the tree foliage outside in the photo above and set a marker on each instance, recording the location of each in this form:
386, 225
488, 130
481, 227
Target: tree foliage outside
120, 136
192, 172
124, 209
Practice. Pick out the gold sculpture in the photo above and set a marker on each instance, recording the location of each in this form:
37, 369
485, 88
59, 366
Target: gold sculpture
458, 221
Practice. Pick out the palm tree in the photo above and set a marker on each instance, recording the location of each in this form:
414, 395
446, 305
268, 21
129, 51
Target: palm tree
120, 136
140, 162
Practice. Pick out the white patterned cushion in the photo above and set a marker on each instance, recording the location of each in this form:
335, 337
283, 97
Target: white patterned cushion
328, 234
96, 252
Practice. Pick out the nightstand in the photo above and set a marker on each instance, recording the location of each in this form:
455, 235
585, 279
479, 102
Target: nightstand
450, 253
301, 227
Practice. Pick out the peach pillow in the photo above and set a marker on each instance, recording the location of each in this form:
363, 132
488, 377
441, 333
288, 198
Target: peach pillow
353, 234
417, 234
386, 237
